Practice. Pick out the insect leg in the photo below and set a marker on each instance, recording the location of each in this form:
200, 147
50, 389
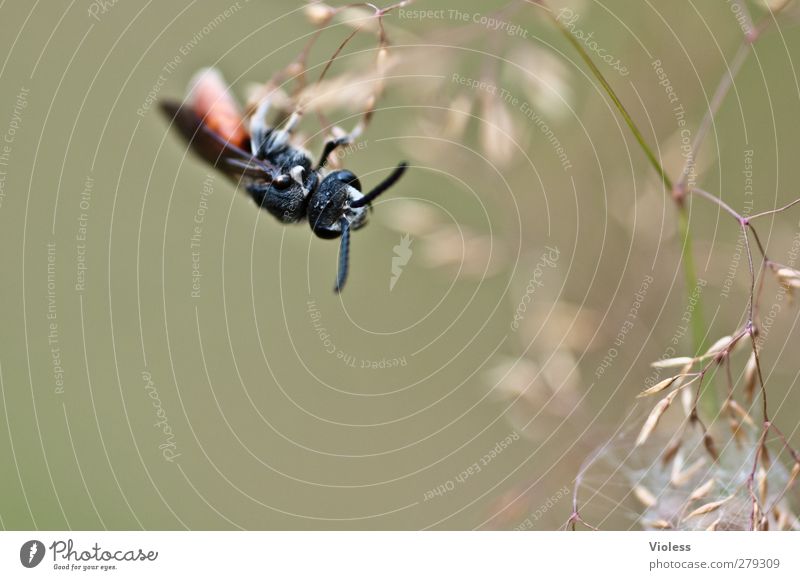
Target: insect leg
330, 146
293, 121
259, 130
347, 138
344, 256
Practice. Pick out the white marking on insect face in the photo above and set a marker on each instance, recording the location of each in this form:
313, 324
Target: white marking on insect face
353, 194
357, 216
297, 173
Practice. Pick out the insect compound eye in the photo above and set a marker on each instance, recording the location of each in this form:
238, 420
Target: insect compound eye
282, 181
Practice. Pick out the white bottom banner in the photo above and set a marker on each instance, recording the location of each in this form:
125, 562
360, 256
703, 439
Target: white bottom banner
401, 555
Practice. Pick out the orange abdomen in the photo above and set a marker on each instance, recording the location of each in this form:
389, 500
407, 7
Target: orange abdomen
212, 100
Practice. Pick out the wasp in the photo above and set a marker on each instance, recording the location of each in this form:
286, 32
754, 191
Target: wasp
277, 174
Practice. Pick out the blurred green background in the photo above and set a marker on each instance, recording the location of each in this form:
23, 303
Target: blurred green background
266, 428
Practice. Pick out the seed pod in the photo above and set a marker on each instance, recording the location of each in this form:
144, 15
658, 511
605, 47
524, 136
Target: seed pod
781, 518
382, 60
756, 515
549, 90
708, 507
789, 279
718, 347
497, 131
702, 491
750, 376
777, 5
677, 467
680, 478
793, 475
736, 431
736, 409
710, 446
457, 117
643, 495
319, 14
652, 419
672, 362
359, 18
658, 387
787, 274
671, 450
763, 486
687, 401
660, 524
766, 460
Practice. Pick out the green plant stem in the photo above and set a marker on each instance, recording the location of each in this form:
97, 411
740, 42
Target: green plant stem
697, 320
708, 399
620, 107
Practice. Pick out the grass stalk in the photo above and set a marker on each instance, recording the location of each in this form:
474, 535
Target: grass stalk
708, 401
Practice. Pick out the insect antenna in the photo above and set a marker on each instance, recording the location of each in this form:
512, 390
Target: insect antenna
344, 256
382, 186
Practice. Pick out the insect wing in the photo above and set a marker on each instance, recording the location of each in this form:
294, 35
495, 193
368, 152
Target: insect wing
233, 161
212, 124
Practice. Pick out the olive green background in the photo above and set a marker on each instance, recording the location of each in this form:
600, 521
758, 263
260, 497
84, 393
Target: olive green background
272, 430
